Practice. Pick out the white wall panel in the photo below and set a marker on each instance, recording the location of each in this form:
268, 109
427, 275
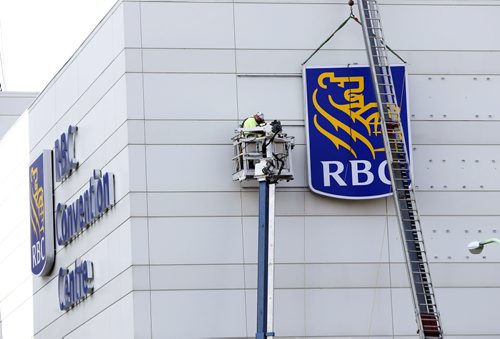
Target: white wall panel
131, 29
257, 28
457, 167
43, 114
458, 203
272, 61
137, 175
250, 239
456, 232
189, 60
190, 96
286, 276
138, 204
194, 204
108, 114
104, 324
316, 204
218, 314
142, 319
251, 311
139, 232
395, 245
354, 312
100, 51
195, 241
297, 131
278, 98
400, 24
356, 275
404, 28
66, 88
196, 277
460, 313
482, 132
133, 61
135, 97
288, 202
323, 243
290, 239
64, 322
175, 132
466, 275
403, 312
290, 315
136, 132
299, 167
202, 168
187, 25
455, 97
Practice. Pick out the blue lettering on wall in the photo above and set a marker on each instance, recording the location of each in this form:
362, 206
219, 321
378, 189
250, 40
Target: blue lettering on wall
64, 153
74, 218
75, 284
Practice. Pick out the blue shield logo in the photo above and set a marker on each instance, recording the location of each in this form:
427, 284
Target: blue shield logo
346, 153
42, 251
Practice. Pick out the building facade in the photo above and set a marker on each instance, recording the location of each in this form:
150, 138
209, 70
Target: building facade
156, 92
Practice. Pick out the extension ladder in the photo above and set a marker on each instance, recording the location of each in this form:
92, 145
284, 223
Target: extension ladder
427, 315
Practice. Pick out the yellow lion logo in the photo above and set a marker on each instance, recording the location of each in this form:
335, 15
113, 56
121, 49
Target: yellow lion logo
355, 109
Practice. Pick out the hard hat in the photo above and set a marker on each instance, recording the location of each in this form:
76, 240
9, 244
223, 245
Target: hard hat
260, 115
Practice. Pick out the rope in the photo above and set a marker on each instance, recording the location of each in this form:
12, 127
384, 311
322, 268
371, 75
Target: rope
387, 46
353, 17
396, 54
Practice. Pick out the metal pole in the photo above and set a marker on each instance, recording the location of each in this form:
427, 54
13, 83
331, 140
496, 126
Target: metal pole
262, 269
270, 261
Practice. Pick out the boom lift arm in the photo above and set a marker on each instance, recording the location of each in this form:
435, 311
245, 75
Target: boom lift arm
264, 153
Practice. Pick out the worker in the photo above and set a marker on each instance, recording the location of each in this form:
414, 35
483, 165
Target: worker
256, 120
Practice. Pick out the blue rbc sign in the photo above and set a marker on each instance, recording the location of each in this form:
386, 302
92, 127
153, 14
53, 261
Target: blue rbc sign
41, 212
346, 154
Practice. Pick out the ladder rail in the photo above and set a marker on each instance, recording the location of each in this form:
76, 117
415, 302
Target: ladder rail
417, 266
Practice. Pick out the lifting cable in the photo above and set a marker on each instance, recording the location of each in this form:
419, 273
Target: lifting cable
353, 17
